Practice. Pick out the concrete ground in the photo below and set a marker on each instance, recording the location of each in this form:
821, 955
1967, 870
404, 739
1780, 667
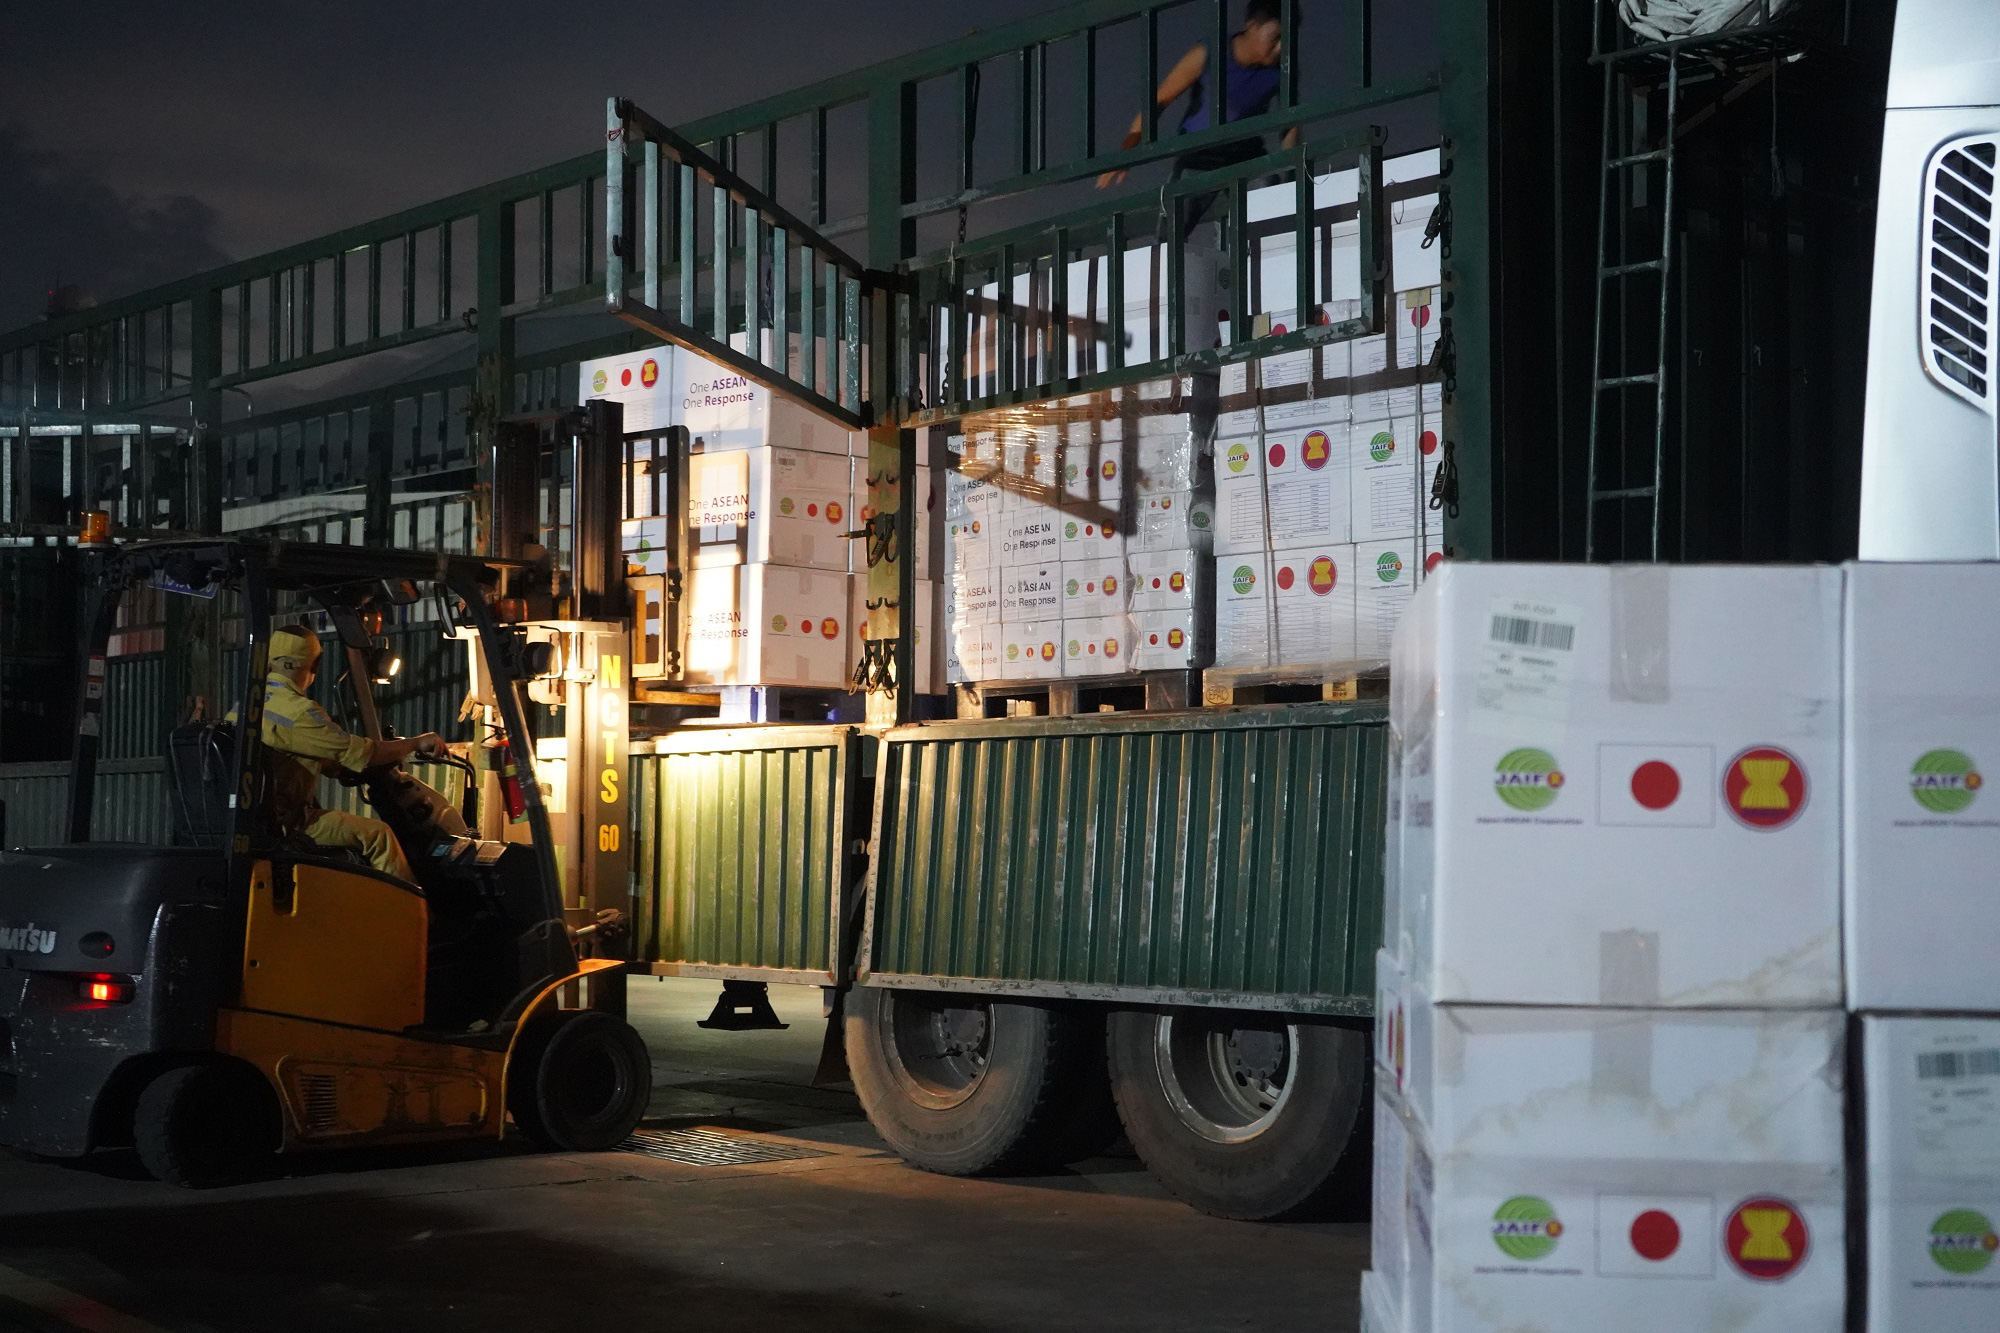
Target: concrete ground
505, 1238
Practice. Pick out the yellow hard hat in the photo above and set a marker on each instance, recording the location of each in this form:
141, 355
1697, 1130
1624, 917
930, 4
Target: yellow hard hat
294, 646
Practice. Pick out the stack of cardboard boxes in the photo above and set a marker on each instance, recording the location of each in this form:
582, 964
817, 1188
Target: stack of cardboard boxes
1610, 1026
1922, 843
1078, 544
1323, 521
772, 493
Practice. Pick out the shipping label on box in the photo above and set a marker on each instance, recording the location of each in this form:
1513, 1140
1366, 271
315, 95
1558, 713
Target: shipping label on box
1030, 537
1030, 650
1243, 622
1164, 641
1614, 753
1163, 580
1097, 646
976, 547
643, 382
1932, 1095
1031, 593
1921, 832
767, 625
1174, 521
1094, 588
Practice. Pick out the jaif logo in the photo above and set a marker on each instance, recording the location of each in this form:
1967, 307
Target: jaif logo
1765, 787
1528, 779
1766, 1239
1963, 1241
1315, 451
599, 380
1237, 457
1388, 566
1382, 447
1244, 580
1944, 781
1526, 1227
27, 939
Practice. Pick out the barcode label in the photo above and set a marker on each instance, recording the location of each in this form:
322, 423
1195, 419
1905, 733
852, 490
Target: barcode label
1958, 1064
1524, 633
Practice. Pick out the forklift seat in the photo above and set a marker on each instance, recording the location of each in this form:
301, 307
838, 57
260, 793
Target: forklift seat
200, 757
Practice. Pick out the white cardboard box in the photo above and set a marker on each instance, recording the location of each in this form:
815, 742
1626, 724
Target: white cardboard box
724, 410
1031, 593
1173, 521
1922, 834
1621, 1169
1094, 588
1097, 646
1091, 530
768, 625
1166, 461
1386, 481
973, 652
1312, 596
779, 506
1243, 620
1164, 580
1385, 577
1620, 784
1932, 1095
1165, 641
1030, 536
1030, 650
643, 382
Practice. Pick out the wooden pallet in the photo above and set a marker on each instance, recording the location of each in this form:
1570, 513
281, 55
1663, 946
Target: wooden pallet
1226, 687
1140, 691
744, 704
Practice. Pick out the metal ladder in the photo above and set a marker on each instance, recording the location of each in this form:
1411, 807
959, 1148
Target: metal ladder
1614, 273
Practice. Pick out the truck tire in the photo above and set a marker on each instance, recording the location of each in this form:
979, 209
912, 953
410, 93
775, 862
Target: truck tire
580, 1082
965, 1086
206, 1125
1242, 1117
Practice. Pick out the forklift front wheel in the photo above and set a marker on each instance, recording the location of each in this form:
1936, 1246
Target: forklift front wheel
205, 1125
580, 1082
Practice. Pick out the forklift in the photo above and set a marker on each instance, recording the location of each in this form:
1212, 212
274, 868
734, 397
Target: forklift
246, 991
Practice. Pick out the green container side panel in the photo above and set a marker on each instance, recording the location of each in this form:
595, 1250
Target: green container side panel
1230, 857
739, 848
129, 805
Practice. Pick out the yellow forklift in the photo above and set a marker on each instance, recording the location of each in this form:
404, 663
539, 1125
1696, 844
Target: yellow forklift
247, 991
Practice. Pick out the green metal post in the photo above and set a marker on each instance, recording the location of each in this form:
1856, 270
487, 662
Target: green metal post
493, 379
1466, 322
892, 177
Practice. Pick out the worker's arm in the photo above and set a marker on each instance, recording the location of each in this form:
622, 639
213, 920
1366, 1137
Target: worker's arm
299, 726
1180, 78
396, 751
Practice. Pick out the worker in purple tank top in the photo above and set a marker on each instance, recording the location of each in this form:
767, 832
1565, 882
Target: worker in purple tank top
1250, 83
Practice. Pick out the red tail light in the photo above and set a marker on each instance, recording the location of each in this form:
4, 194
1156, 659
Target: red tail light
103, 990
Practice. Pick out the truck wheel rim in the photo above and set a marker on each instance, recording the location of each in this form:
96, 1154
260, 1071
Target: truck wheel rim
937, 1051
1226, 1084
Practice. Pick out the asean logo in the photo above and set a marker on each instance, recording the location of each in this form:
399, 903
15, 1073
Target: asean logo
1526, 1227
1176, 637
1111, 647
1963, 1241
1177, 581
1111, 585
1766, 1239
1321, 575
1527, 778
834, 511
649, 374
1317, 450
1765, 787
1382, 447
1243, 580
1388, 566
1238, 457
1944, 781
1109, 471
829, 628
1048, 652
599, 380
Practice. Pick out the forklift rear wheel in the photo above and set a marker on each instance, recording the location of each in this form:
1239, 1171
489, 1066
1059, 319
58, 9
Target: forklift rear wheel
964, 1086
580, 1082
205, 1125
1242, 1117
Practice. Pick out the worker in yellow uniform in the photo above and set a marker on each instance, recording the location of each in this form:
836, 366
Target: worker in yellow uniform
305, 743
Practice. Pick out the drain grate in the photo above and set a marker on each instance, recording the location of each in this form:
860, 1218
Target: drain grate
705, 1147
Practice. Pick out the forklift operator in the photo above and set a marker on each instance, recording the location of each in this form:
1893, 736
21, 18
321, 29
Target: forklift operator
297, 727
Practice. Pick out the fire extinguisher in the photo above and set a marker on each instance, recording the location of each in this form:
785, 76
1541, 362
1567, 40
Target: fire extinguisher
511, 794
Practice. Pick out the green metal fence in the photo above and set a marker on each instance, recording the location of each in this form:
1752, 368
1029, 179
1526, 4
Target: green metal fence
1229, 858
130, 803
744, 851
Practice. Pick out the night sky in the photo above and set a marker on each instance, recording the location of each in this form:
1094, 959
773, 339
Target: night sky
141, 141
